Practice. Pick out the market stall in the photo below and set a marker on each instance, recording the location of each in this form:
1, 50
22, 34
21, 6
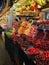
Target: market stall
27, 34
32, 43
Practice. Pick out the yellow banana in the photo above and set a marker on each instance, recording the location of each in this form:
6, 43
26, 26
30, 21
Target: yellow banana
39, 2
43, 2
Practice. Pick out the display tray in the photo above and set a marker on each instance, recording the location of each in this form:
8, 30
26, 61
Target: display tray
27, 16
22, 15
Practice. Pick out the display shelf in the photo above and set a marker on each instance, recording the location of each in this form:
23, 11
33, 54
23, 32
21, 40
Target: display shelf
24, 15
27, 16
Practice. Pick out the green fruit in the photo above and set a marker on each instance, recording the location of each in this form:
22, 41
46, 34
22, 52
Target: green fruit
28, 3
23, 8
10, 31
17, 4
14, 12
18, 10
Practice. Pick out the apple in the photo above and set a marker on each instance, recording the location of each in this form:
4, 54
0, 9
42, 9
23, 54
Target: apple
23, 8
21, 11
29, 3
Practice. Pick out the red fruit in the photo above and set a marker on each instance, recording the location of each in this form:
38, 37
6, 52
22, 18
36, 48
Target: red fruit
21, 11
31, 7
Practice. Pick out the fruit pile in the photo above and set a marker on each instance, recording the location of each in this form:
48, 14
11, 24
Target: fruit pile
27, 29
43, 45
27, 7
33, 34
33, 51
30, 35
24, 28
43, 59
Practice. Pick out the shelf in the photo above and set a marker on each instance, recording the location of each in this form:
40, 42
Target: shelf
35, 17
24, 15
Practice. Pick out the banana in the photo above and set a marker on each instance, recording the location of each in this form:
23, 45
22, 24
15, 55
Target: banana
43, 2
39, 2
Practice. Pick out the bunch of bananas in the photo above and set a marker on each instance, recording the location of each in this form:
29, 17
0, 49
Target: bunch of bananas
41, 2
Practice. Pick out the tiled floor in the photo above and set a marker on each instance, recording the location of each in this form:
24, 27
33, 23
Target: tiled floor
4, 57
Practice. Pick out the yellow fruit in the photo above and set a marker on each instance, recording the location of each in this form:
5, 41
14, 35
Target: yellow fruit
19, 30
41, 2
22, 24
27, 31
27, 8
33, 3
29, 25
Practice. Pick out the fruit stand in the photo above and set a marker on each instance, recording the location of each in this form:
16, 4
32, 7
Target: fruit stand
27, 42
32, 41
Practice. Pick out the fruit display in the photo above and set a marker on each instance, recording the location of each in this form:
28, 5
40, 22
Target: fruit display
33, 31
32, 34
34, 40
27, 29
42, 39
10, 32
22, 28
25, 7
44, 58
33, 51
